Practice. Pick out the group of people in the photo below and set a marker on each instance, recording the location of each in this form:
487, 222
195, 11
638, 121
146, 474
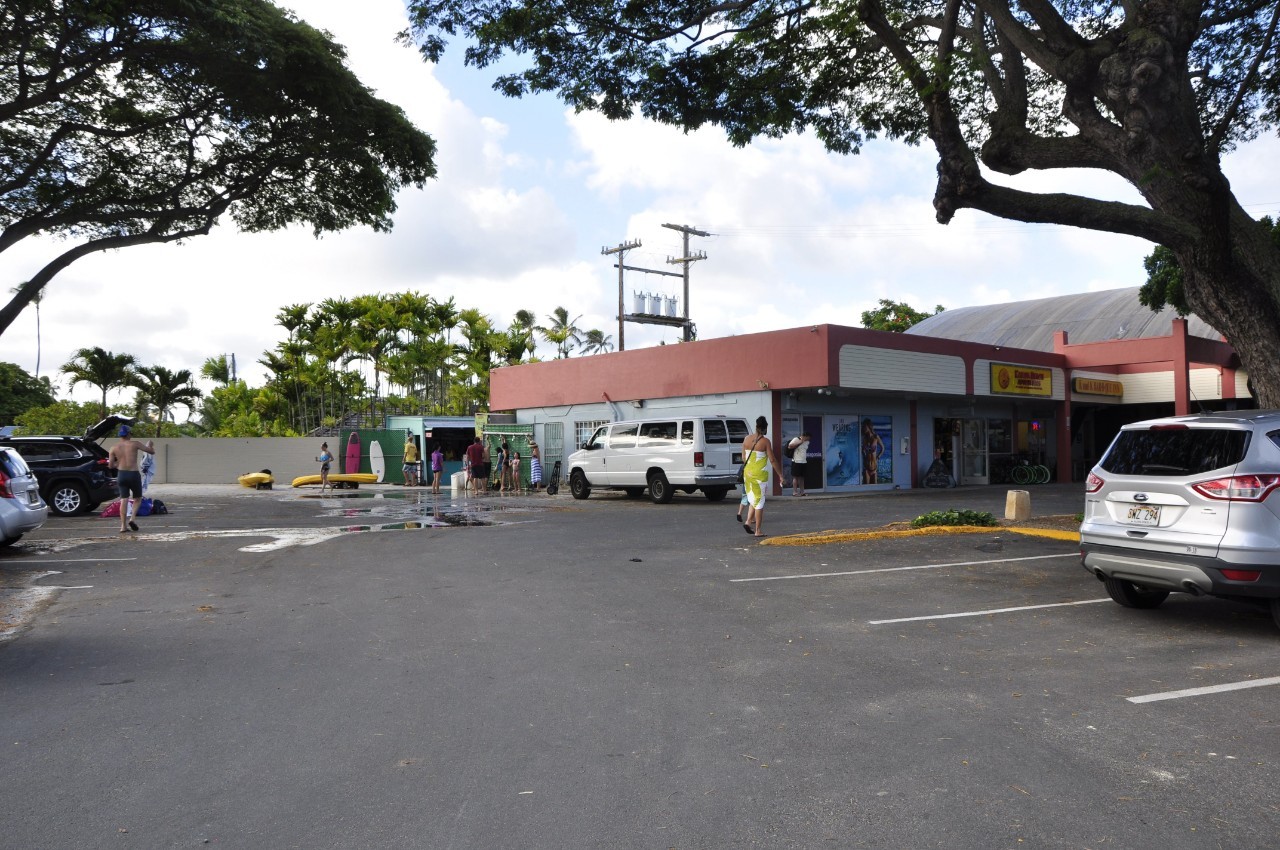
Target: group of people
412, 466
478, 463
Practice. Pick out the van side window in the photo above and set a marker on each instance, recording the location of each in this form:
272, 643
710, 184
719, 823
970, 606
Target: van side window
738, 430
715, 432
657, 434
623, 437
600, 439
686, 433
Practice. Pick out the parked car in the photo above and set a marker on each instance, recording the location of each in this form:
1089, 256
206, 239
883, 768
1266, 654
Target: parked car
1187, 504
72, 471
663, 455
21, 507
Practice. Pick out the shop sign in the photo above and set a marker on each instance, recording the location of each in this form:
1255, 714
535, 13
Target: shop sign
1008, 379
1097, 386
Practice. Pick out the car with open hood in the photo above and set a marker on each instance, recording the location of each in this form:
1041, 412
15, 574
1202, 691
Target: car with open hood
73, 472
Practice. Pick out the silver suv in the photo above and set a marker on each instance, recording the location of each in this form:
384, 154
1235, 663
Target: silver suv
1187, 504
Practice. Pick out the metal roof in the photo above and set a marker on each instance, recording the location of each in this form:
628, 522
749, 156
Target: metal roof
1086, 317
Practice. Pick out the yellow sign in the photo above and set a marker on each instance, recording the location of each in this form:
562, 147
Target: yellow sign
1008, 379
1097, 386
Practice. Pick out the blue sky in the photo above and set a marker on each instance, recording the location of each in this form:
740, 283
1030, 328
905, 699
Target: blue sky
528, 194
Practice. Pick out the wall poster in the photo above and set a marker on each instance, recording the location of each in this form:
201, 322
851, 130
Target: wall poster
858, 450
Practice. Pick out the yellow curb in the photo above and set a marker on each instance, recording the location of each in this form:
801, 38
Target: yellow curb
817, 538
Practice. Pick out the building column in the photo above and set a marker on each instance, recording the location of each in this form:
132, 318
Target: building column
1064, 438
1181, 369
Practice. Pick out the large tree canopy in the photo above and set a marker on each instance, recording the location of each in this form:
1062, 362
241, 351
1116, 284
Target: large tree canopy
1153, 91
123, 123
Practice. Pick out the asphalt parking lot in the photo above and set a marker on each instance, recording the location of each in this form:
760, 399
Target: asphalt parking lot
275, 669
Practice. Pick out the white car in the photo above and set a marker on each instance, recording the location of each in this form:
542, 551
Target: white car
1188, 504
686, 453
21, 508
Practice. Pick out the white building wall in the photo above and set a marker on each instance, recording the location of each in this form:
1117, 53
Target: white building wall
1146, 387
1205, 384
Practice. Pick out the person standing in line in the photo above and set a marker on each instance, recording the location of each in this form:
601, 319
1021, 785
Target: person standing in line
486, 467
872, 448
504, 466
437, 468
123, 458
410, 467
799, 449
535, 467
325, 459
475, 463
515, 471
758, 463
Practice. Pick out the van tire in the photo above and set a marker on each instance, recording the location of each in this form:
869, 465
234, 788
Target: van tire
634, 492
1130, 595
578, 485
715, 494
660, 491
1275, 611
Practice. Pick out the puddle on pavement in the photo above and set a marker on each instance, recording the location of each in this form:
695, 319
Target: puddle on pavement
409, 511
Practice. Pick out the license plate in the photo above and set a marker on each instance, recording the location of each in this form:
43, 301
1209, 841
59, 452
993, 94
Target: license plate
1144, 515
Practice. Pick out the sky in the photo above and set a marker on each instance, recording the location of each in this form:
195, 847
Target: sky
527, 196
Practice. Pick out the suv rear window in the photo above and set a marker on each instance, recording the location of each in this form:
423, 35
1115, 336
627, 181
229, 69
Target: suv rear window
1189, 451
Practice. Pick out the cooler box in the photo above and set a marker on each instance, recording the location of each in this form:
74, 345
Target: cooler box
458, 481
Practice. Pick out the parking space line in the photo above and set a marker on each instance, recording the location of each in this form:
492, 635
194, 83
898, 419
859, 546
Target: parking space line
902, 569
1211, 689
986, 612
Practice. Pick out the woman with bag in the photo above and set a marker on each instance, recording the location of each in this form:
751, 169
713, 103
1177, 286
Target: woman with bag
757, 471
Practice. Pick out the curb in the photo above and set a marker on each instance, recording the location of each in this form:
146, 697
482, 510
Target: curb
818, 538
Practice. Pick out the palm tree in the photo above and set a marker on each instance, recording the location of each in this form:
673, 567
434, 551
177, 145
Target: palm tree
597, 342
35, 299
162, 389
562, 333
217, 369
101, 369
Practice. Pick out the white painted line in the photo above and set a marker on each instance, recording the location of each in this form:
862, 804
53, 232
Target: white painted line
985, 613
916, 567
1212, 689
80, 560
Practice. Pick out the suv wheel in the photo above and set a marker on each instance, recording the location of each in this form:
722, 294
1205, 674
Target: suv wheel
660, 491
1130, 595
68, 499
1275, 611
578, 485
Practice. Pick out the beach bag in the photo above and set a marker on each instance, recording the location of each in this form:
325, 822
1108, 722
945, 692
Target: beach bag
144, 507
740, 478
112, 509
158, 507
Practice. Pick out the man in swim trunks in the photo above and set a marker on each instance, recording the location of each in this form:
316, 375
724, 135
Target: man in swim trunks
124, 459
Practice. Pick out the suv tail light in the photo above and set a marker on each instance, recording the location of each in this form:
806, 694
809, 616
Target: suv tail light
698, 459
5, 492
1238, 488
1093, 483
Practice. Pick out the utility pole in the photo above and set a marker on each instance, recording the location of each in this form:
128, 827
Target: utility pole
621, 251
685, 261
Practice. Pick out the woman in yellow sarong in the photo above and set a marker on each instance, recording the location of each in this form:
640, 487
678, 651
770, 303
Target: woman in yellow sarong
757, 471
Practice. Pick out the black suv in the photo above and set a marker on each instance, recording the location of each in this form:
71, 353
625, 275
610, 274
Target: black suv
72, 471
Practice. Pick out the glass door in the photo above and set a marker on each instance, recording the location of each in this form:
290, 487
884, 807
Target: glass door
973, 452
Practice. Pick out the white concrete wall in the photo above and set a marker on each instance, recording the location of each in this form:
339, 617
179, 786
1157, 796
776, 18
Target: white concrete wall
191, 460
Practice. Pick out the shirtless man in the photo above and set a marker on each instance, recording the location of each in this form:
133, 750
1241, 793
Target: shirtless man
124, 459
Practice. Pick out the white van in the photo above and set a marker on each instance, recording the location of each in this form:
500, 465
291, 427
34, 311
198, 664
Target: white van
663, 455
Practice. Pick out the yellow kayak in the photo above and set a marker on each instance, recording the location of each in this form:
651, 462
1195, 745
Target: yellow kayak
337, 478
255, 480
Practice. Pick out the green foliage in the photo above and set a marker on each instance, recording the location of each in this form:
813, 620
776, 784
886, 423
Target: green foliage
62, 417
20, 391
142, 122
954, 517
162, 389
895, 316
102, 369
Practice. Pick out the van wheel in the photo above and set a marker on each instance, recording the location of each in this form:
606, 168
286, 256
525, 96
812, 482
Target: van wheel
1131, 596
634, 492
715, 494
578, 485
660, 491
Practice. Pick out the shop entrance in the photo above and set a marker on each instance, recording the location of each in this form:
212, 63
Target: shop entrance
973, 452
